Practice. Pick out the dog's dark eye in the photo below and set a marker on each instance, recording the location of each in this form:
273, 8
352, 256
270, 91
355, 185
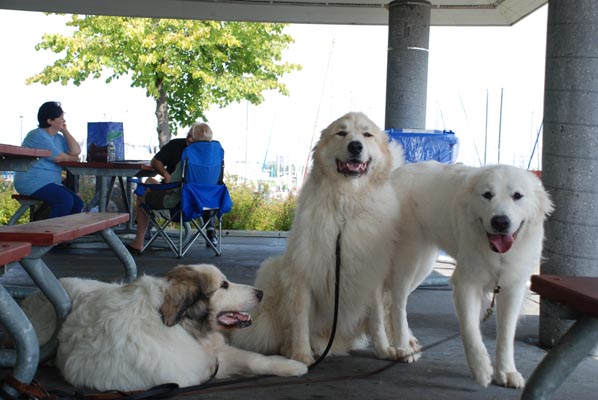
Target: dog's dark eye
487, 195
517, 196
224, 285
342, 133
367, 134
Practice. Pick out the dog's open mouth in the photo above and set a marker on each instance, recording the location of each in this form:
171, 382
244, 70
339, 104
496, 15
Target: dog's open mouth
500, 243
234, 319
352, 167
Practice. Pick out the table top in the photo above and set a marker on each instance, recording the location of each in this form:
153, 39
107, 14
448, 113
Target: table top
116, 168
13, 251
19, 151
577, 292
49, 232
124, 164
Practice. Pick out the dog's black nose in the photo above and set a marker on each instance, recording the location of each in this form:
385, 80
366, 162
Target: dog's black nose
259, 294
355, 148
500, 223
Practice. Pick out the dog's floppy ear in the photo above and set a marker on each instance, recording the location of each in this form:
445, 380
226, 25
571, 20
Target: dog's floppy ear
183, 291
464, 197
545, 204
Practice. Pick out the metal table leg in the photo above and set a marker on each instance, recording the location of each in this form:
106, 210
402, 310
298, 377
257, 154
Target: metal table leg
556, 366
52, 289
26, 356
120, 250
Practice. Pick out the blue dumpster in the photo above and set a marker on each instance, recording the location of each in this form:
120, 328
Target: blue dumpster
423, 145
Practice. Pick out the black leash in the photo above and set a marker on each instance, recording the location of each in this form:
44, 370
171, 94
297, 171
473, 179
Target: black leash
337, 279
169, 390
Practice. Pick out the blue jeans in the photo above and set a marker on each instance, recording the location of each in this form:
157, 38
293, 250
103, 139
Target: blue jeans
61, 200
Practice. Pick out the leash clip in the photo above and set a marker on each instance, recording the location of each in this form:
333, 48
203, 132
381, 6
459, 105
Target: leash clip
490, 310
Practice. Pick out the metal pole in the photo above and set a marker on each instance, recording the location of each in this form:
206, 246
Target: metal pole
407, 63
486, 130
569, 157
21, 118
500, 126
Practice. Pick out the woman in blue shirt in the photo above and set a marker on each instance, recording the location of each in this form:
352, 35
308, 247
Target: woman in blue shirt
43, 180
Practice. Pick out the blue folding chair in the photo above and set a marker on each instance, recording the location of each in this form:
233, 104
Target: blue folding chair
204, 197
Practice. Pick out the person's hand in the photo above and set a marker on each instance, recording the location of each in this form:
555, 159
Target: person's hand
64, 130
74, 158
166, 177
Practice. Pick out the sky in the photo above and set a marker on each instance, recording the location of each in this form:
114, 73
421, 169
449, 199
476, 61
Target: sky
344, 69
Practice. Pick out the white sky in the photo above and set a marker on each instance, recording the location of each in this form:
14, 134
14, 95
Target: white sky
344, 69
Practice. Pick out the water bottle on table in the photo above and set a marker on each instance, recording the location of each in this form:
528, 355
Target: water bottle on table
111, 157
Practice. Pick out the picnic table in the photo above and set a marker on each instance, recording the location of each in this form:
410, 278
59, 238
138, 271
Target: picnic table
18, 158
44, 235
107, 173
580, 294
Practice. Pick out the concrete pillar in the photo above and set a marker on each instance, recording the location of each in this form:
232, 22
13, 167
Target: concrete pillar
570, 151
407, 64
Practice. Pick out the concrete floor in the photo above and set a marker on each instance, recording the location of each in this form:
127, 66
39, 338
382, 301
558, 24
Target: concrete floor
441, 373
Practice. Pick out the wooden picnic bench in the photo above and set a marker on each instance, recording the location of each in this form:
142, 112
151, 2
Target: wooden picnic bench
580, 294
43, 236
14, 320
26, 203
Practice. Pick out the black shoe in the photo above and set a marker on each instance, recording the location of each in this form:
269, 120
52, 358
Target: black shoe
212, 238
133, 250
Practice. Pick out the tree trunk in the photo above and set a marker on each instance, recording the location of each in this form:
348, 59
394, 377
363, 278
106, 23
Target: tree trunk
162, 116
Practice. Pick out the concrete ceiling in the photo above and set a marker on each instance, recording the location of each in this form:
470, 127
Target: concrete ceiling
358, 12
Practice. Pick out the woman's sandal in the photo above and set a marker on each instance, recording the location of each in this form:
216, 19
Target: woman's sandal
133, 250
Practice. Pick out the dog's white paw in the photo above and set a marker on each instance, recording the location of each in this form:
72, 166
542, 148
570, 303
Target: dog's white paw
410, 354
512, 379
304, 358
286, 367
407, 352
482, 371
386, 353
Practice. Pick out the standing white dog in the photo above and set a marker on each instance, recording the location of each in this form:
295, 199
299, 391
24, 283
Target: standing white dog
347, 192
490, 219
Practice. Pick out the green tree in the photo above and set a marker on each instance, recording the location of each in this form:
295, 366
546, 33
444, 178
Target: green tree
187, 66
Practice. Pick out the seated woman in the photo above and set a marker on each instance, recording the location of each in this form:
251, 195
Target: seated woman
167, 163
43, 180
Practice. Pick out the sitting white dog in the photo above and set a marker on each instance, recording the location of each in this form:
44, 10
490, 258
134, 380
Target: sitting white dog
347, 195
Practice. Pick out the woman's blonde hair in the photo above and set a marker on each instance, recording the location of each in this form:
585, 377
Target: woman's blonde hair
200, 132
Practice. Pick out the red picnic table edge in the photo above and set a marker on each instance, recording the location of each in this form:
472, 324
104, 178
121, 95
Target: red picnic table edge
19, 151
13, 251
577, 292
50, 232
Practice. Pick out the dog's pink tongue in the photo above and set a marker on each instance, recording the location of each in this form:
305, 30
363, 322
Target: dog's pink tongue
354, 166
501, 243
233, 318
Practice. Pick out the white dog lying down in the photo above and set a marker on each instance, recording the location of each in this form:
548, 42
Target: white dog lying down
154, 330
490, 219
348, 192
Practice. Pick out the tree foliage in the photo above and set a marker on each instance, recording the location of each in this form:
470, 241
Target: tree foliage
187, 66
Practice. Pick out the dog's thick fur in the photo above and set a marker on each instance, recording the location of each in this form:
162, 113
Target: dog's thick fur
490, 219
154, 330
347, 192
